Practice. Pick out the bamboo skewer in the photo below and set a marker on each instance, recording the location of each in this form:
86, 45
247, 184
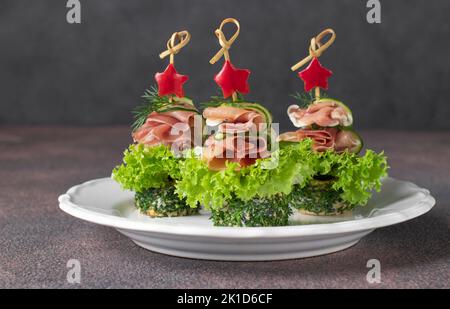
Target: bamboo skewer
174, 48
225, 44
316, 50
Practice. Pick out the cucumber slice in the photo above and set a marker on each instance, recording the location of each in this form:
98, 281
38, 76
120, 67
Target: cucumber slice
268, 211
186, 103
319, 198
356, 137
184, 100
162, 202
170, 108
259, 108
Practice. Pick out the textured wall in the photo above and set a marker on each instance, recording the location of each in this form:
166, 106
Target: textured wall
394, 75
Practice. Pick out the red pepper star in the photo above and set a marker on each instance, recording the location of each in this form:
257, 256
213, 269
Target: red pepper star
170, 82
315, 75
232, 80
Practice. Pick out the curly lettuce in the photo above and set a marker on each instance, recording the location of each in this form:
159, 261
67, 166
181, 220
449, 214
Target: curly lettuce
147, 167
292, 164
268, 177
355, 175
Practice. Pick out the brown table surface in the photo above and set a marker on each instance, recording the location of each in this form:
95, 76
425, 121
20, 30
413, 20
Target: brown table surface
37, 239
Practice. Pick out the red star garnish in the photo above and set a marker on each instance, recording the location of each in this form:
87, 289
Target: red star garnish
232, 80
315, 75
170, 82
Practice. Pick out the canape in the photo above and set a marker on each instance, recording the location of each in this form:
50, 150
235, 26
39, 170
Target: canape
162, 130
232, 173
341, 178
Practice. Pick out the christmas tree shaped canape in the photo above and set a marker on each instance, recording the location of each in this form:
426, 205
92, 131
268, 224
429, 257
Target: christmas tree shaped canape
238, 122
240, 139
343, 178
163, 128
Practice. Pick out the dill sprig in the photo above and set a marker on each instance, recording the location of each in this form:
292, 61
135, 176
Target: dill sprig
154, 103
305, 99
218, 100
140, 114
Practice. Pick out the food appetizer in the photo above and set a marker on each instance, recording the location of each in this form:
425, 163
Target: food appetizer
342, 179
229, 158
230, 175
161, 131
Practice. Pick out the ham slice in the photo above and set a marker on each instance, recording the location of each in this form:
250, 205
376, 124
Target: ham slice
241, 143
242, 149
322, 139
233, 119
323, 113
325, 139
172, 128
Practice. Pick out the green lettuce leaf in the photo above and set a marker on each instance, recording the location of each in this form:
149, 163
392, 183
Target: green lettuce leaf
268, 177
147, 167
291, 164
357, 176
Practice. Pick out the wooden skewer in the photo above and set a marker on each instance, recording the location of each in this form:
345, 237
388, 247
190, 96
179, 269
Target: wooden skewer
225, 44
316, 49
172, 49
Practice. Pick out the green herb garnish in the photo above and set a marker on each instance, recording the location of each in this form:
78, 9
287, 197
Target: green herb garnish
272, 211
218, 100
162, 202
154, 103
306, 99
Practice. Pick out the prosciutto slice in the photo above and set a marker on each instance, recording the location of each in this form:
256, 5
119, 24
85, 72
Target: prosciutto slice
244, 150
323, 113
233, 119
240, 142
324, 139
172, 128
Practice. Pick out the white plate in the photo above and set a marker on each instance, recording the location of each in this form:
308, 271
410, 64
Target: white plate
102, 201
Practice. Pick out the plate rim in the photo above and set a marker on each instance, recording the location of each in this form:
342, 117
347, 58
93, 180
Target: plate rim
421, 207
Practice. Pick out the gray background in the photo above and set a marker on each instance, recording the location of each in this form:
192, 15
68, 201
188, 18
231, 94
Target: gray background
393, 75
